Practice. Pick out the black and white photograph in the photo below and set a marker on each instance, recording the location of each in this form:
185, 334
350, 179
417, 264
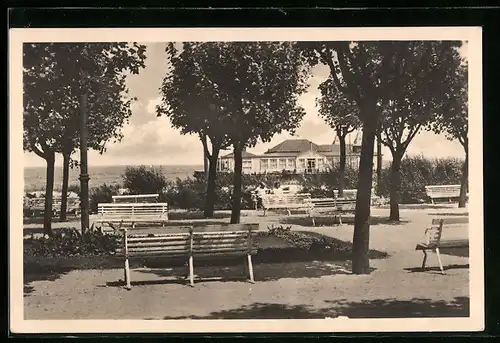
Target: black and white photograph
246, 180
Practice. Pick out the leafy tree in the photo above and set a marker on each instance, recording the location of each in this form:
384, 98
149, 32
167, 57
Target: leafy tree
55, 77
144, 180
341, 114
415, 100
369, 74
453, 119
190, 101
255, 87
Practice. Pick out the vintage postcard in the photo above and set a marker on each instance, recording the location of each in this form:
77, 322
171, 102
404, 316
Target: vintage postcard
246, 180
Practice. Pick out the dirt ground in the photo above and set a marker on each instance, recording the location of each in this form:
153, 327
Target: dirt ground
397, 287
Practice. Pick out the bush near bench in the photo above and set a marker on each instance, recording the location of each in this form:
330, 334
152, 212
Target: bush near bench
416, 173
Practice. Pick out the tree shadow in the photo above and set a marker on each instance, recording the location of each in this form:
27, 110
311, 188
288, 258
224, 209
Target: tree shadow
382, 308
235, 271
332, 220
436, 270
36, 272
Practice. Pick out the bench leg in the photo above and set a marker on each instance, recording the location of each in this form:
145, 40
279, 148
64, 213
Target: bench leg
313, 221
439, 261
425, 258
127, 275
245, 272
191, 271
250, 268
340, 219
288, 211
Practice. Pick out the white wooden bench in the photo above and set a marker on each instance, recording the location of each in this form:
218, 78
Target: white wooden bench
190, 243
131, 214
435, 243
442, 192
338, 205
288, 202
137, 198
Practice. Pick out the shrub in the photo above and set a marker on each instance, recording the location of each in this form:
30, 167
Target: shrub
70, 242
103, 193
74, 188
144, 180
418, 172
298, 239
323, 184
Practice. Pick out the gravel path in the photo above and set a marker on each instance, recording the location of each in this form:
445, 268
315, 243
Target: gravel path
315, 289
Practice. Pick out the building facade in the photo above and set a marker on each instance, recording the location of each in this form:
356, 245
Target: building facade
299, 155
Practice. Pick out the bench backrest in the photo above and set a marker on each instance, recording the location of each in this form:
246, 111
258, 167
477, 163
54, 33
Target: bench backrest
132, 209
186, 240
435, 232
285, 199
137, 198
443, 191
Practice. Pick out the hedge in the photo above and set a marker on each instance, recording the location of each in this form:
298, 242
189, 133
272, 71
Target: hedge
416, 173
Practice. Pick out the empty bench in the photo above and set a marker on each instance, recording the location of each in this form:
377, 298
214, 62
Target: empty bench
287, 202
435, 243
131, 214
338, 205
442, 192
190, 243
136, 198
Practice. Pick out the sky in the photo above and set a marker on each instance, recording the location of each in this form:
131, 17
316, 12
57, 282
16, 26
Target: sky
151, 140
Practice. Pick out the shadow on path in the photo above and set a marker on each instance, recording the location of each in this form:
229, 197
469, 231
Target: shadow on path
326, 219
436, 270
383, 308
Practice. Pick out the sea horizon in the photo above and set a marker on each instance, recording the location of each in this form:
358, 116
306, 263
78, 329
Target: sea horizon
34, 176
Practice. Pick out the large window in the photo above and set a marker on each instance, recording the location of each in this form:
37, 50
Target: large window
282, 163
302, 163
290, 163
247, 165
264, 164
274, 164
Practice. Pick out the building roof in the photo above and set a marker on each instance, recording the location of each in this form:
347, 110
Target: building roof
293, 146
244, 154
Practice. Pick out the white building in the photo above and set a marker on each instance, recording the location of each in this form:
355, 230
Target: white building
299, 155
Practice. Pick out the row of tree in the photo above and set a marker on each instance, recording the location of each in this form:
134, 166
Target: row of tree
55, 77
236, 94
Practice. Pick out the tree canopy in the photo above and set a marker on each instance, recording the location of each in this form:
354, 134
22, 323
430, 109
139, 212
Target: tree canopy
56, 74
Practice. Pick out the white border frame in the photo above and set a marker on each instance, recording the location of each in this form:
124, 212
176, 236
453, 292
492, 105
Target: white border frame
144, 35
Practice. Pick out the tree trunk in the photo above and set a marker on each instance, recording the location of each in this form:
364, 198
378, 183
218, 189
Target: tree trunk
206, 164
342, 164
361, 237
379, 165
395, 185
212, 177
238, 165
64, 192
464, 181
49, 189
